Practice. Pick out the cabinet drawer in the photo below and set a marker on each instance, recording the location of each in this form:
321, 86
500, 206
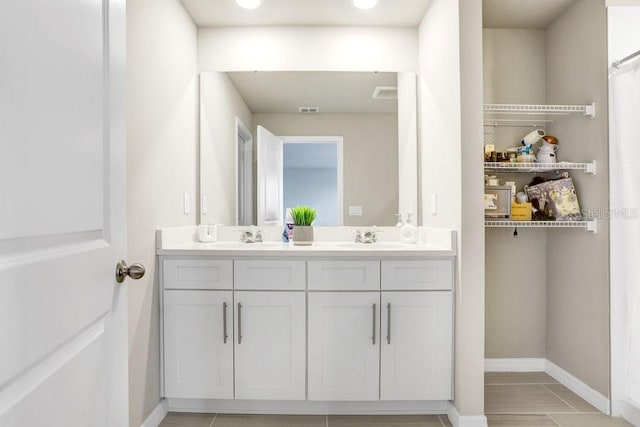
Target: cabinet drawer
198, 274
269, 275
344, 275
417, 275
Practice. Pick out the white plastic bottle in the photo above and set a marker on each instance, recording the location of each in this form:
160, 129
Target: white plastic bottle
409, 232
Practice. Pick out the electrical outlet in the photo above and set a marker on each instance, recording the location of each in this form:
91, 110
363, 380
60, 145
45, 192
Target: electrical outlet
355, 210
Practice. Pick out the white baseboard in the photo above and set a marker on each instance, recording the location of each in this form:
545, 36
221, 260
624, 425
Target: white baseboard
626, 410
599, 401
157, 415
514, 365
465, 420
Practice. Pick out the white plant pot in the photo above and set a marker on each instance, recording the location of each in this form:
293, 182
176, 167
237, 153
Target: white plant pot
302, 235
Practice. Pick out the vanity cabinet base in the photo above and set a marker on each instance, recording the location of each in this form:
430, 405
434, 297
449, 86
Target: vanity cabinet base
283, 407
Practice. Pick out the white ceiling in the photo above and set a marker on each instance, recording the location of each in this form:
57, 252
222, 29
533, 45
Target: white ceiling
403, 13
533, 14
332, 92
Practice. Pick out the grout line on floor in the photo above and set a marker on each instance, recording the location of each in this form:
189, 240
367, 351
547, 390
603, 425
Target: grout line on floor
326, 418
567, 403
554, 420
213, 420
441, 422
521, 384
537, 413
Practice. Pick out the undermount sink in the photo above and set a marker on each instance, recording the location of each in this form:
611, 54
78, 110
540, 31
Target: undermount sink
374, 246
242, 245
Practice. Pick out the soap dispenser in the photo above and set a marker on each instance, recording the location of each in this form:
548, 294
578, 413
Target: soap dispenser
409, 232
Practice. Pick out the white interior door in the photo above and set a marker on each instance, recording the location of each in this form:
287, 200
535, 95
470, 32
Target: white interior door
63, 358
270, 178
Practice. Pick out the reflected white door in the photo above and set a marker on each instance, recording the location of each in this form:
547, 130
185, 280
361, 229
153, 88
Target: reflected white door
63, 358
270, 178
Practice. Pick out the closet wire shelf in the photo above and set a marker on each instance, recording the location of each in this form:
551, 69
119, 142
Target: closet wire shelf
588, 167
493, 113
590, 225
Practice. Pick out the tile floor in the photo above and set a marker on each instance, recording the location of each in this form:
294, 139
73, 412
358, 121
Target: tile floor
528, 399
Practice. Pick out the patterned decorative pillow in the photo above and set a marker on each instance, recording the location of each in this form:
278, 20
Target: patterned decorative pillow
563, 200
556, 199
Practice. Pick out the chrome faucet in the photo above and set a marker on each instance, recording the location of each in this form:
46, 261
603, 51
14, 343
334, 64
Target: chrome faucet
251, 236
370, 236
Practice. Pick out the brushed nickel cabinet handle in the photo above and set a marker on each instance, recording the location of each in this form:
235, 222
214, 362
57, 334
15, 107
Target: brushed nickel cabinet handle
388, 323
224, 322
239, 323
373, 337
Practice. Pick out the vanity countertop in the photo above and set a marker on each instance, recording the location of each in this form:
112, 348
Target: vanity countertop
183, 242
320, 249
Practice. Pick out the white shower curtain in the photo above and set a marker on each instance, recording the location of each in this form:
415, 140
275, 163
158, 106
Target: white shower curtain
624, 163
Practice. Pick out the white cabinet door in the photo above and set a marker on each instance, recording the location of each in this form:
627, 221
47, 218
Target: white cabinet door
270, 345
417, 337
198, 344
344, 345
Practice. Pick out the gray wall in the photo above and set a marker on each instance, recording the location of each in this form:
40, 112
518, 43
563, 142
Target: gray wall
370, 153
516, 269
220, 104
578, 262
161, 165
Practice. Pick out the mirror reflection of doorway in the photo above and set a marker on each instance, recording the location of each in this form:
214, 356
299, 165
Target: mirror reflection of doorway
244, 179
312, 174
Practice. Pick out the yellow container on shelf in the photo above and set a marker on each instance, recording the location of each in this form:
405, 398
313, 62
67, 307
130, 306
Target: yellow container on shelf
521, 211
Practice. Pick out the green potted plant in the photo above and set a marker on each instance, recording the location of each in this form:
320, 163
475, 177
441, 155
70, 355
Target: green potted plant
303, 217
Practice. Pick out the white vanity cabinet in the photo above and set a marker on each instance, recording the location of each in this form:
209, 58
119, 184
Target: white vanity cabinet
249, 338
344, 345
392, 344
270, 345
416, 345
198, 344
310, 330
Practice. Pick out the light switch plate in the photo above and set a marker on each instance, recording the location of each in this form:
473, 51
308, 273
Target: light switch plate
187, 203
355, 210
203, 205
434, 203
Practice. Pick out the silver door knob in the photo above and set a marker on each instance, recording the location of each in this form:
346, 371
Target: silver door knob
135, 271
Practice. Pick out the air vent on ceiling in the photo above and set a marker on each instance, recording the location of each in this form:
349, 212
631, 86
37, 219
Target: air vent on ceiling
308, 109
385, 92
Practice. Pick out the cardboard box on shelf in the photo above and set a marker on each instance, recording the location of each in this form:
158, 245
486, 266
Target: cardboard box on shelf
521, 211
